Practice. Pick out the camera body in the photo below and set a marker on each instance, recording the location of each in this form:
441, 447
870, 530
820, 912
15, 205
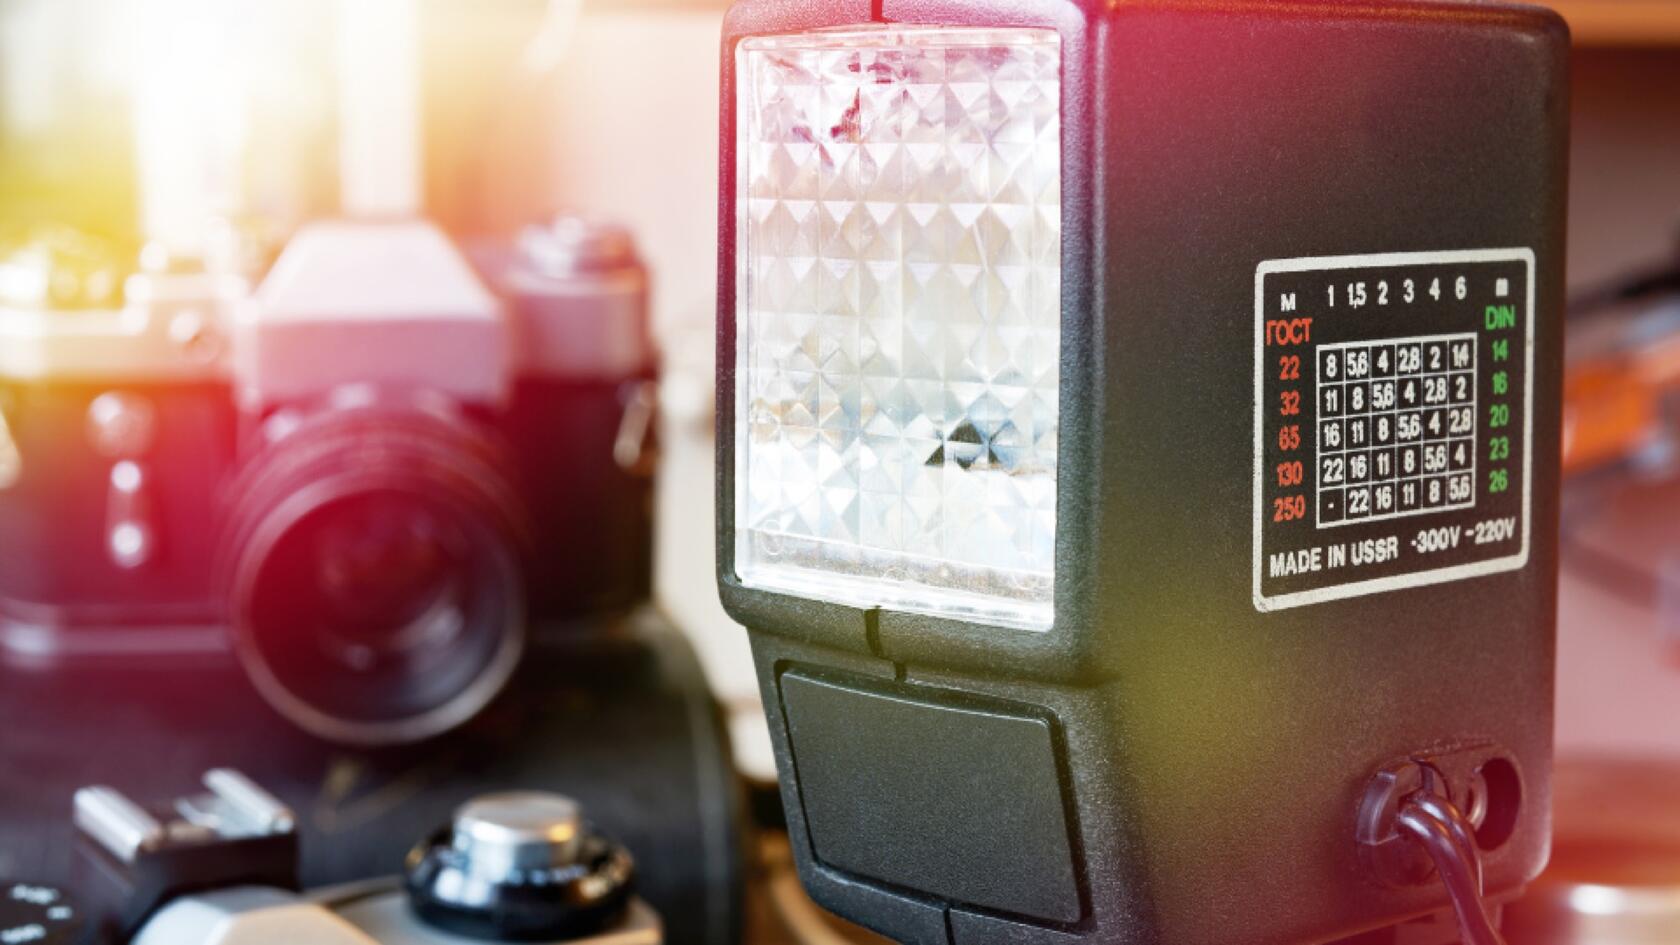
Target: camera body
563, 722
368, 476
355, 916
1065, 629
360, 915
220, 868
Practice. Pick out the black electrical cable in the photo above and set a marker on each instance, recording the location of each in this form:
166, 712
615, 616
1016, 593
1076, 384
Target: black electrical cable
1442, 810
1459, 867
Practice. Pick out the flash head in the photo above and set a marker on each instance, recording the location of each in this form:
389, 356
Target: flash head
899, 319
1137, 440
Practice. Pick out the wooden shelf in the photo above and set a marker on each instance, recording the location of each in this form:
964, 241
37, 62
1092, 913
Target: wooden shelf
1622, 22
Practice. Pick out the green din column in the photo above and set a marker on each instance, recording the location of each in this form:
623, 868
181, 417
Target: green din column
1499, 321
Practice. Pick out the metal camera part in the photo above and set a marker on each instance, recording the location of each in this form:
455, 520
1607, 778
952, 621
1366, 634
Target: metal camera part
1142, 418
63, 269
132, 860
164, 325
572, 244
233, 808
121, 425
582, 289
520, 866
503, 835
122, 428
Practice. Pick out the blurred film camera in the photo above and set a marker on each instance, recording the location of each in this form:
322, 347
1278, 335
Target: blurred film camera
367, 478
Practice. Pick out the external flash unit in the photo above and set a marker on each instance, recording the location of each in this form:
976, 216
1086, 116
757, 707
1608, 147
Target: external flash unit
1138, 458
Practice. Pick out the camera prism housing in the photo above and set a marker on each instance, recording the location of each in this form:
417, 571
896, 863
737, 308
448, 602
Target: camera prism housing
1138, 436
366, 479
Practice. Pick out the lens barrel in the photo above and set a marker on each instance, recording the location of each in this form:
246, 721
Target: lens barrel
373, 569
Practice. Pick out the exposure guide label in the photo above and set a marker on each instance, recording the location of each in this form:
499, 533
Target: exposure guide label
1393, 422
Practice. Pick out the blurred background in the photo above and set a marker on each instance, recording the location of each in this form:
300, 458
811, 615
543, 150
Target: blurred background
172, 120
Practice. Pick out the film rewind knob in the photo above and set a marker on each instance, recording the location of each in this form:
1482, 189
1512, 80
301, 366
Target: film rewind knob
519, 865
502, 836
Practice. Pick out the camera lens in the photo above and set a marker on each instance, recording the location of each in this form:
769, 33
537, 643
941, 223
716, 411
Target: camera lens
375, 576
379, 587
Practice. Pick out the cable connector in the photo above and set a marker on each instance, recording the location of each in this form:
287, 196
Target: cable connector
1410, 832
1433, 823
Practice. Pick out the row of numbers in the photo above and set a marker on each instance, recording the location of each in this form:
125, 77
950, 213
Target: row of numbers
1338, 400
1407, 359
1405, 462
1394, 499
1361, 294
1387, 430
